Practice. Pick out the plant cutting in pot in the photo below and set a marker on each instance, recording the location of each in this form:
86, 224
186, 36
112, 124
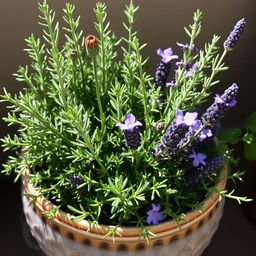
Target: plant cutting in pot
111, 157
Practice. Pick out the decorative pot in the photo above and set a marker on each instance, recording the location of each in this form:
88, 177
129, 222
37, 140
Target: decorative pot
63, 237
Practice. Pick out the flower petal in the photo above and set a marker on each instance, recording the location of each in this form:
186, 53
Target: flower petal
196, 162
149, 219
121, 126
129, 119
160, 52
160, 216
190, 118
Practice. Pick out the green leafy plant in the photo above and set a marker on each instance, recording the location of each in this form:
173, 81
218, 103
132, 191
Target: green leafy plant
246, 135
105, 140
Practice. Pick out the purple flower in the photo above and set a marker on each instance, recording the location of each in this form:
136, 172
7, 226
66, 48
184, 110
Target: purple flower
164, 66
205, 133
189, 118
184, 47
170, 84
198, 158
129, 123
76, 180
191, 70
154, 216
196, 176
180, 63
219, 100
221, 105
167, 55
234, 35
131, 131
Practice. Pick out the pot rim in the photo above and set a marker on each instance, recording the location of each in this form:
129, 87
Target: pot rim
64, 219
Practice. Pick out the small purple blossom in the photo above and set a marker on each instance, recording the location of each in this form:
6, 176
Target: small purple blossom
129, 123
197, 176
131, 131
180, 63
189, 118
205, 133
219, 100
164, 66
154, 216
221, 105
198, 158
191, 70
185, 47
170, 84
167, 55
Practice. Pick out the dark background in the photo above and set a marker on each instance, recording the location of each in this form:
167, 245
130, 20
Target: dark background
160, 24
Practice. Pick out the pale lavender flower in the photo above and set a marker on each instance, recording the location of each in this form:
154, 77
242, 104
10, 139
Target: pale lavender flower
164, 66
196, 176
184, 47
221, 105
129, 123
131, 131
180, 63
189, 118
191, 70
167, 55
198, 158
154, 216
170, 84
218, 99
205, 133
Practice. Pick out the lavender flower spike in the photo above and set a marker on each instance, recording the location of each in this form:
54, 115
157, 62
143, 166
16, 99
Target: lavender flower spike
154, 216
221, 105
164, 66
177, 130
234, 35
131, 131
198, 175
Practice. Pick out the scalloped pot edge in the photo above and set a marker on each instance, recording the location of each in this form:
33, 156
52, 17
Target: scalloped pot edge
128, 238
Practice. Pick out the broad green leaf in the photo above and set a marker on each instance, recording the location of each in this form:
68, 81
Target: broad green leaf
250, 151
231, 136
250, 122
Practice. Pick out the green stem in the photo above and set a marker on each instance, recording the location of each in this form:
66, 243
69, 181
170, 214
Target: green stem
137, 160
144, 90
102, 116
215, 71
180, 77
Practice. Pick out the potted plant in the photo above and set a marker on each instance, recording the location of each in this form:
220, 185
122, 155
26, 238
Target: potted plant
111, 157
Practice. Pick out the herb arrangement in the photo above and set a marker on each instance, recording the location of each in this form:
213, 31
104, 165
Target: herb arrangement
104, 139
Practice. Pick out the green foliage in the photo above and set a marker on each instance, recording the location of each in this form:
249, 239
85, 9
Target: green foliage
68, 112
247, 136
250, 123
231, 136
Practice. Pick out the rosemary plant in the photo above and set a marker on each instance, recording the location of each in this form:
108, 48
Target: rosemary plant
105, 140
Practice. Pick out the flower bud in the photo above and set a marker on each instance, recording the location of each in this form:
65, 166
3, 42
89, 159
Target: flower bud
91, 44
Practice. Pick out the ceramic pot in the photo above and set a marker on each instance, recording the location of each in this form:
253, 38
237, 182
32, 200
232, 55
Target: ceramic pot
63, 237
